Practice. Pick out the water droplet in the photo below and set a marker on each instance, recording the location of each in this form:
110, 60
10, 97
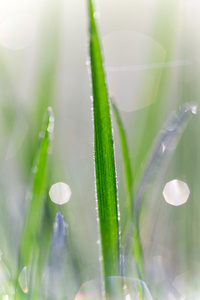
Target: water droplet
136, 290
91, 99
194, 109
96, 15
41, 134
17, 32
50, 128
51, 120
176, 192
163, 147
88, 62
23, 280
60, 193
34, 169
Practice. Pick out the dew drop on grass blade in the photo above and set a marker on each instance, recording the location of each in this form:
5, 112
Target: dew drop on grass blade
164, 147
105, 175
29, 244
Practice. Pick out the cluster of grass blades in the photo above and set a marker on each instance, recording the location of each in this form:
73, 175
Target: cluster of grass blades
117, 251
46, 269
115, 248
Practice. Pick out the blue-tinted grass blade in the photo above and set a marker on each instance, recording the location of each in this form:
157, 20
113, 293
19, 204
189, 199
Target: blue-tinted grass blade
59, 240
164, 148
60, 275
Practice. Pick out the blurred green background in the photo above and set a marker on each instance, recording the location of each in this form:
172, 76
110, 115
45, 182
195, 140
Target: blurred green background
152, 56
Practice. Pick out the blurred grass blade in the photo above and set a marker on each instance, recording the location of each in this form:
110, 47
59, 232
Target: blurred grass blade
59, 240
131, 247
125, 156
106, 187
48, 64
60, 277
164, 148
57, 281
33, 218
46, 70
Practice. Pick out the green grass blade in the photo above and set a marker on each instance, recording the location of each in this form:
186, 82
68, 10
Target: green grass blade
125, 156
131, 248
106, 187
33, 219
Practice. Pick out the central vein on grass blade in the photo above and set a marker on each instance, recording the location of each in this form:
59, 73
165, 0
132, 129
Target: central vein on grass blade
106, 187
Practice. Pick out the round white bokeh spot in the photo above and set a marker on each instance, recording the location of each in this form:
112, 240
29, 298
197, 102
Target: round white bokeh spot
176, 192
60, 193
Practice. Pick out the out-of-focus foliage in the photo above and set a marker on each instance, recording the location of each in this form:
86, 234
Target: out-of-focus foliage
151, 52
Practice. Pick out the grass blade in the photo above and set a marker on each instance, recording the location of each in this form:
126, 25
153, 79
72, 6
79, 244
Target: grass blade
60, 280
164, 147
106, 187
132, 248
33, 218
125, 156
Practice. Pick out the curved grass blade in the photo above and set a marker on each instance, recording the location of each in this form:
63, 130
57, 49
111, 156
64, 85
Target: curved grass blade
132, 247
29, 244
164, 148
125, 156
106, 187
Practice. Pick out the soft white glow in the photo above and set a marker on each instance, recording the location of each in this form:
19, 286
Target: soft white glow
176, 192
129, 68
17, 32
60, 193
